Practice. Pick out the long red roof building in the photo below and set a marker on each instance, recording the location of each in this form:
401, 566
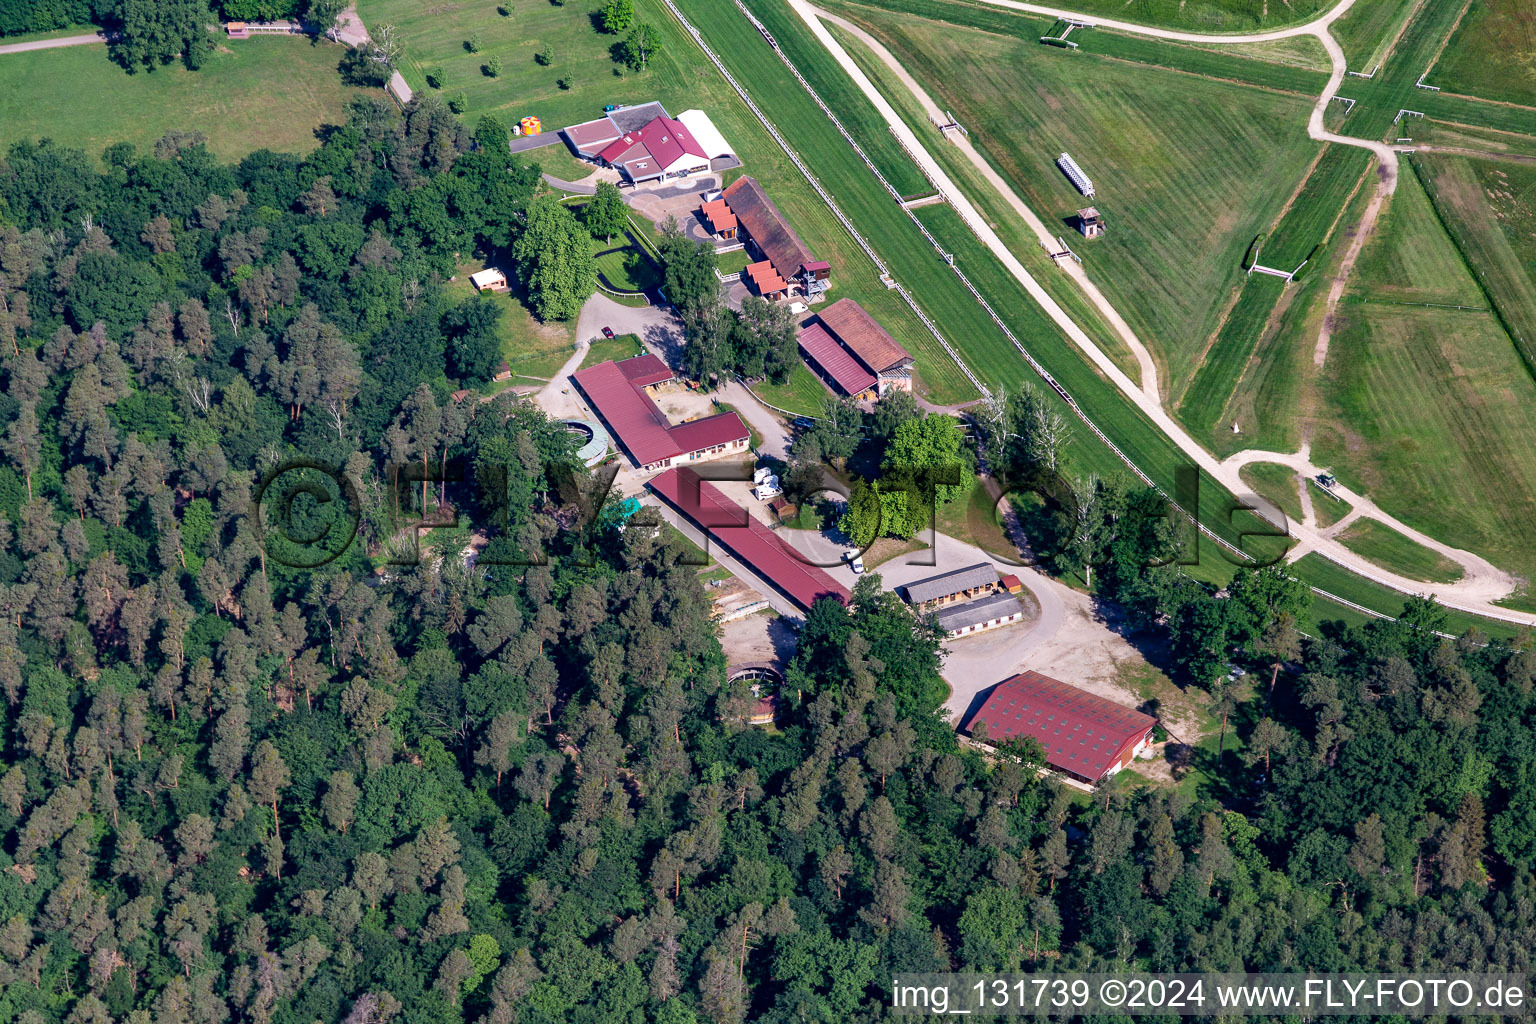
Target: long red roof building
746, 537
1084, 735
616, 391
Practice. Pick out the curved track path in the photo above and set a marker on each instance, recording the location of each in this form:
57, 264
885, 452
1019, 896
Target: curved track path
1483, 582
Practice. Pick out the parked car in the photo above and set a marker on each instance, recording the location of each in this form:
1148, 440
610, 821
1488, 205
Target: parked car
855, 560
608, 333
805, 422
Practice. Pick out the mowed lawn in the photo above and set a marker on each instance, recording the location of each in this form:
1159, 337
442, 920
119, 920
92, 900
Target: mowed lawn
1186, 170
435, 36
1274, 482
1430, 410
1490, 208
264, 93
1396, 553
1493, 53
802, 393
1368, 29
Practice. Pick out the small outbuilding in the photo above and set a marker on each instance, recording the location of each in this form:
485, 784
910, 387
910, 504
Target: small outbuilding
1090, 223
489, 280
238, 30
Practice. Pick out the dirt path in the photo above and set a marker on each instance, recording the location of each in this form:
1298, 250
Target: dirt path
1144, 360
53, 44
1482, 584
1310, 28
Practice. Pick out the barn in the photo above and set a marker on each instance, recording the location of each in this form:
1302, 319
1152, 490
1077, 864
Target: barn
1085, 736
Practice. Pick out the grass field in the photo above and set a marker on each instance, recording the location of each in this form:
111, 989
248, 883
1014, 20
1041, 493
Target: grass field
628, 270
1217, 396
1294, 65
1392, 551
1202, 404
532, 349
1206, 15
802, 393
1316, 207
1187, 170
1430, 410
1368, 29
1488, 141
998, 213
1325, 506
1493, 53
1490, 209
1275, 482
1394, 86
1317, 571
558, 161
263, 93
435, 36
622, 346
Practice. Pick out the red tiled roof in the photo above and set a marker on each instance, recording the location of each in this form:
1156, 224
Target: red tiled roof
764, 278
767, 226
663, 140
696, 435
670, 140
618, 147
629, 412
718, 213
636, 421
746, 537
822, 349
856, 329
645, 370
1082, 734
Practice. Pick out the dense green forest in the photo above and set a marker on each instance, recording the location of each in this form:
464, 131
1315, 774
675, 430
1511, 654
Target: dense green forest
235, 790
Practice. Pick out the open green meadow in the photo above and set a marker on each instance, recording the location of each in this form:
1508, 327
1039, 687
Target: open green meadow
1492, 142
1187, 171
1271, 400
1429, 409
998, 213
1207, 15
1493, 53
436, 36
1316, 208
602, 350
853, 109
1276, 483
1394, 88
1217, 396
1218, 372
1396, 553
1367, 31
271, 92
1490, 209
1290, 65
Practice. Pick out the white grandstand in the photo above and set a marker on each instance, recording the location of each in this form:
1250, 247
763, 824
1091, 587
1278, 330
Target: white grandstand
1075, 174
